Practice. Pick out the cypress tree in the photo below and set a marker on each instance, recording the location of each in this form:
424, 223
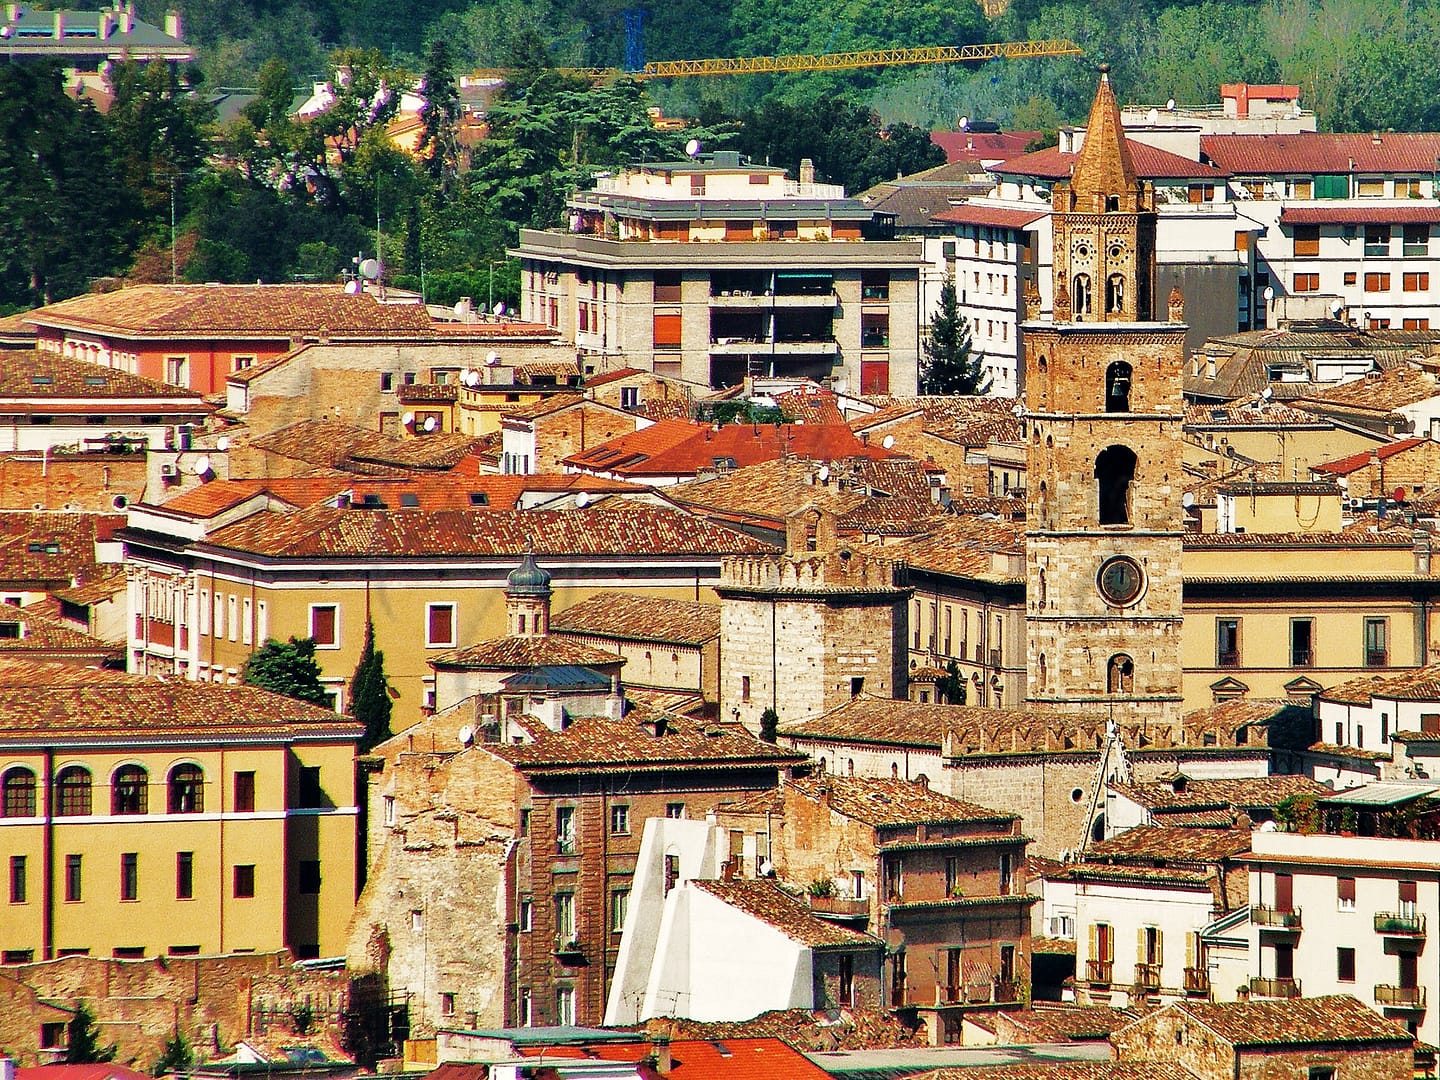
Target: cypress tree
370, 693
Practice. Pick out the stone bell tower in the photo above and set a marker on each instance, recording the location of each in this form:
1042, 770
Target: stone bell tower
1103, 431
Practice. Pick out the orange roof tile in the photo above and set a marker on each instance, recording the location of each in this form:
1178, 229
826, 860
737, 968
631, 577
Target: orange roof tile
37, 374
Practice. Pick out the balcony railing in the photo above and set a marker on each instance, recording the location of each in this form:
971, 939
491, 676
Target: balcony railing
1275, 987
1275, 919
1400, 924
843, 906
1147, 976
1099, 972
1197, 981
568, 945
1400, 997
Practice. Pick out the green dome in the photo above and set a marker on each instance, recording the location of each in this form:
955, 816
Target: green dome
528, 578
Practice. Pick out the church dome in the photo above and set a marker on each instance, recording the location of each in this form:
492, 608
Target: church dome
528, 578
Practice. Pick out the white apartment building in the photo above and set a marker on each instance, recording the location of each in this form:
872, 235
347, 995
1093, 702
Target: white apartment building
1349, 914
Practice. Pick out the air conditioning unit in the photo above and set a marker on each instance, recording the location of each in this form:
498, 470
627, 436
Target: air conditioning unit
1355, 504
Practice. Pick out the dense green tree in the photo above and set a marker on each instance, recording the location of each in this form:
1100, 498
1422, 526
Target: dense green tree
370, 693
287, 667
82, 1047
769, 725
951, 689
949, 365
178, 1056
440, 117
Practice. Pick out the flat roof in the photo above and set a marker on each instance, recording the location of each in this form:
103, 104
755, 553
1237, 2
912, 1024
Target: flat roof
1382, 793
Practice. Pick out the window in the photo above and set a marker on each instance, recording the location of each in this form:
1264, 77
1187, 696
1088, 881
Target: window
619, 905
565, 830
184, 875
1416, 240
1117, 387
525, 821
629, 397
440, 626
231, 617
1370, 187
525, 1008
1080, 295
129, 790
1350, 278
187, 790
1302, 642
219, 615
744, 688
1198, 193
387, 382
18, 885
565, 996
1377, 653
1007, 874
666, 329
308, 791
667, 286
1417, 324
74, 885
1120, 675
1114, 294
1345, 893
308, 877
875, 285
1415, 282
447, 1003
1377, 282
1227, 642
324, 626
1304, 283
564, 917
245, 792
1377, 241
130, 876
19, 793
247, 623
262, 622
1114, 470
244, 884
1307, 241
1302, 189
675, 810
176, 370
1345, 965
525, 915
72, 792
620, 820
1407, 187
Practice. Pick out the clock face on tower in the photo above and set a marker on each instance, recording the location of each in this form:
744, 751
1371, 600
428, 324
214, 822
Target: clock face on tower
1120, 581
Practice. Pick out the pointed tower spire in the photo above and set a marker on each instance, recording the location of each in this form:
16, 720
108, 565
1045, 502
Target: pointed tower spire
1104, 167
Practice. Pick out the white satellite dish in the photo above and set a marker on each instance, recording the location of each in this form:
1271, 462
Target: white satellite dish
202, 465
964, 123
1336, 307
888, 442
582, 500
1269, 292
1267, 393
1170, 105
499, 308
222, 443
1187, 500
466, 735
370, 268
824, 473
430, 424
408, 419
491, 359
1153, 116
472, 377
352, 287
692, 148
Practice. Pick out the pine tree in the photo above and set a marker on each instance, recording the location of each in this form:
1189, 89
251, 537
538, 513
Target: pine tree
178, 1056
440, 117
950, 366
83, 1045
287, 668
769, 725
370, 693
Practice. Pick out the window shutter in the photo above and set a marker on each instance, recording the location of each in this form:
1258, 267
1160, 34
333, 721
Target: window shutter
1192, 949
1346, 889
322, 625
1407, 892
1159, 946
1095, 942
1140, 955
442, 624
667, 330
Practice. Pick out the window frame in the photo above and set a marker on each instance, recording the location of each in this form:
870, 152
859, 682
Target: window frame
242, 877
185, 789
184, 875
432, 608
1231, 658
334, 609
125, 802
17, 798
129, 877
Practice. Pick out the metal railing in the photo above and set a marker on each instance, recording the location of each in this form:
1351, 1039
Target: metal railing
1197, 981
1261, 986
1400, 997
1403, 924
1274, 918
1099, 971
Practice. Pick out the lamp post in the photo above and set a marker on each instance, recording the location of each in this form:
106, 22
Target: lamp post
490, 306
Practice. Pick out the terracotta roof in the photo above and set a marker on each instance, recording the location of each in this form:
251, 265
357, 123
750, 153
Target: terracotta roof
106, 1071
1067, 1023
608, 529
424, 393
598, 744
612, 376
733, 1058
1051, 945
42, 374
1419, 684
1347, 538
852, 1029
680, 448
630, 617
966, 547
1383, 390
765, 901
1339, 1018
344, 446
1063, 1070
884, 803
1336, 750
981, 145
1314, 152
260, 311
1206, 794
1151, 163
517, 653
1359, 215
550, 403
56, 703
1253, 412
38, 633
47, 545
105, 581
969, 213
1152, 845
1354, 462
811, 404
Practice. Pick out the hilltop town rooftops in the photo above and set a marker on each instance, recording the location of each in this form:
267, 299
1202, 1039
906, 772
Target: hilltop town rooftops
1335, 1019
884, 802
765, 901
46, 376
516, 653
1151, 163
1185, 793
1381, 391
1355, 462
1312, 152
345, 446
632, 617
29, 630
1421, 684
1148, 844
48, 545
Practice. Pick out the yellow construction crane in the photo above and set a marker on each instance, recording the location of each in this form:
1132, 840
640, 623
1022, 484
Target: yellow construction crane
843, 61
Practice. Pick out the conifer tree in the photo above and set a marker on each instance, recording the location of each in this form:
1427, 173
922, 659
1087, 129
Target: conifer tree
950, 366
370, 693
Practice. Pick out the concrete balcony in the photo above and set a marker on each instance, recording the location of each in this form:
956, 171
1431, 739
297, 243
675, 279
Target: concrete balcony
1400, 997
738, 347
1271, 918
1197, 982
1396, 924
1274, 987
757, 301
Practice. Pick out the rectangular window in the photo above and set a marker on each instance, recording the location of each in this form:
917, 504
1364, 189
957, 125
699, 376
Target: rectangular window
875, 285
230, 607
184, 875
18, 886
1377, 282
440, 626
1417, 324
1345, 893
1415, 282
564, 917
525, 916
245, 792
1302, 642
1370, 187
1227, 642
1377, 652
308, 883
1304, 283
1377, 241
204, 611
1302, 189
619, 905
74, 886
667, 286
1242, 240
219, 615
565, 995
387, 382
262, 622
309, 792
176, 370
1416, 240
620, 820
247, 625
447, 1004
744, 687
525, 821
525, 1008
675, 810
1345, 965
667, 331
1307, 241
565, 830
244, 881
1350, 278
325, 625
130, 876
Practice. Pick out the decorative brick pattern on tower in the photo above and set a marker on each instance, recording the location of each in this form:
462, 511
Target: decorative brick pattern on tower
1103, 434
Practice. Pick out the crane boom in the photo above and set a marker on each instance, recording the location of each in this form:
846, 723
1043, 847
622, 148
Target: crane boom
841, 61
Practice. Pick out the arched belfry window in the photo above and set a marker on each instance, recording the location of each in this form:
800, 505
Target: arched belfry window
1080, 295
1112, 203
1117, 387
1114, 472
1120, 675
1115, 294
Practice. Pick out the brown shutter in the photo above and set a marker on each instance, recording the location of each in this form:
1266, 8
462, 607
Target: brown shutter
1407, 892
1345, 889
442, 624
322, 625
667, 330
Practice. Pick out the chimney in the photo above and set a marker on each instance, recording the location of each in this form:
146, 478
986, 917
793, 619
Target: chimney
59, 25
172, 23
663, 1064
107, 23
1422, 552
127, 19
807, 171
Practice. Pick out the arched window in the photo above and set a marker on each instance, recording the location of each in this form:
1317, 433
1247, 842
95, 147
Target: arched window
130, 790
187, 790
894, 770
1041, 600
1120, 675
1080, 295
1117, 387
1044, 674
19, 785
72, 792
1115, 294
850, 766
1114, 471
1112, 203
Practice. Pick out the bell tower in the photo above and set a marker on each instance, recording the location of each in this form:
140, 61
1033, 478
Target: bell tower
1103, 416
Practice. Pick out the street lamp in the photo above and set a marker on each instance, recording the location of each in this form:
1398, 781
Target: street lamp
490, 306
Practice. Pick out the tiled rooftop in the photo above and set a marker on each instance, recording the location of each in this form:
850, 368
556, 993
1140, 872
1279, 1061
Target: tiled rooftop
39, 633
344, 446
30, 374
46, 545
1421, 684
1312, 152
1151, 163
1339, 1018
682, 448
765, 901
1354, 462
632, 617
1207, 794
964, 547
1063, 1070
853, 1029
884, 802
1152, 845
737, 1057
517, 653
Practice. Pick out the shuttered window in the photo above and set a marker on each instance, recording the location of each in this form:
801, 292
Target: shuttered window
323, 625
440, 626
667, 331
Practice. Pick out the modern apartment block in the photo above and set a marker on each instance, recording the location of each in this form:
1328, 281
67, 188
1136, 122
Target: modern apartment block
714, 269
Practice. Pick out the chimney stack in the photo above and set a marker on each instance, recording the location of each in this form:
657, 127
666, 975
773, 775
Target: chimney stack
661, 1043
172, 23
807, 171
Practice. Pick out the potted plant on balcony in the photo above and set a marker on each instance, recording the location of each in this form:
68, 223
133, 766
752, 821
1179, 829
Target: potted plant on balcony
821, 888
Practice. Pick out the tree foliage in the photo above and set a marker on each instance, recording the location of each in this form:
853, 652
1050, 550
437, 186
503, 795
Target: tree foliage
370, 693
178, 1056
82, 1046
949, 365
287, 667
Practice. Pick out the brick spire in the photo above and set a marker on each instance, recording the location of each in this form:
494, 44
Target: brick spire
1103, 166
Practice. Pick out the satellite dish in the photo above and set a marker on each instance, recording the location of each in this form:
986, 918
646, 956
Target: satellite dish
120, 502
1153, 116
472, 377
1267, 393
499, 308
964, 123
352, 287
888, 442
461, 309
370, 268
1398, 495
1187, 500
408, 419
1336, 307
1170, 105
1269, 292
430, 424
222, 443
491, 359
202, 465
692, 148
466, 735
824, 473
582, 500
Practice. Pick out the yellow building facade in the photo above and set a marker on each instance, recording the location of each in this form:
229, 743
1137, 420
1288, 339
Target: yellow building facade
140, 817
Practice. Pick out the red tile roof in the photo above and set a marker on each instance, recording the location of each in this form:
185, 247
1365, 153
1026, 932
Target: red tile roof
982, 145
1358, 215
632, 617
79, 1072
1151, 163
1312, 152
976, 214
612, 376
765, 901
1354, 462
1338, 1018
729, 1059
679, 448
520, 653
357, 449
32, 374
47, 545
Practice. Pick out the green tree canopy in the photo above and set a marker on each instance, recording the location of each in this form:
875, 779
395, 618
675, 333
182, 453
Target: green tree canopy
82, 1047
287, 667
370, 693
949, 366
